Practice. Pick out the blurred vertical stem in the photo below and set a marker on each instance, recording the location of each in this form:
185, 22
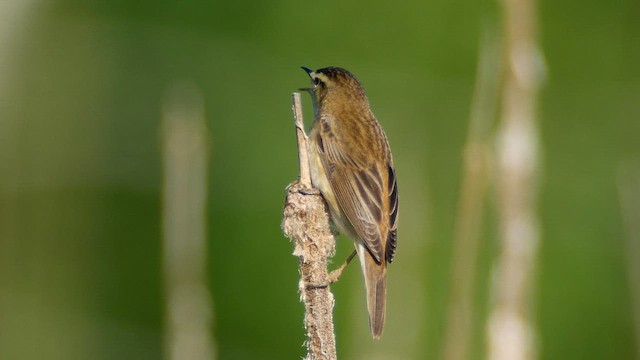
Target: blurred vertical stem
185, 154
629, 192
306, 222
470, 204
511, 334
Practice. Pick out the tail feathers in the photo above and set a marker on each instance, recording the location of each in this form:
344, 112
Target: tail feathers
375, 279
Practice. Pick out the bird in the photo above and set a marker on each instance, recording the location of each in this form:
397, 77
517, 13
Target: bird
352, 167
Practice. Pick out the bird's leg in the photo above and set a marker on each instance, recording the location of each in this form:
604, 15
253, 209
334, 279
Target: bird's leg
309, 191
334, 275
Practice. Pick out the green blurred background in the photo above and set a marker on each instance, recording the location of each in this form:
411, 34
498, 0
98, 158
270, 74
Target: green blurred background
81, 90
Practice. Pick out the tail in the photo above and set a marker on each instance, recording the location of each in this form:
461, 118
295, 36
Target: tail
375, 280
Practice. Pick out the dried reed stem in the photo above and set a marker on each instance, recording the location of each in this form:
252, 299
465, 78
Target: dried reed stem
306, 223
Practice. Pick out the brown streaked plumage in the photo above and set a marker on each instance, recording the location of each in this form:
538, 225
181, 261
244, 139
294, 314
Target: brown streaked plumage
351, 165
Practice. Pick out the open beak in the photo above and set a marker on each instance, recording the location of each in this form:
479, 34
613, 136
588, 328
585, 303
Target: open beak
309, 72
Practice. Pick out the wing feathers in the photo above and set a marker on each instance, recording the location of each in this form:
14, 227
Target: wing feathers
362, 194
392, 240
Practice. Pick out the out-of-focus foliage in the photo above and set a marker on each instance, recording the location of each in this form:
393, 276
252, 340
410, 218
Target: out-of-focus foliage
81, 90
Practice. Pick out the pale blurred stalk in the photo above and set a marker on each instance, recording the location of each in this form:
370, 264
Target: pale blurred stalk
470, 204
511, 334
629, 192
185, 154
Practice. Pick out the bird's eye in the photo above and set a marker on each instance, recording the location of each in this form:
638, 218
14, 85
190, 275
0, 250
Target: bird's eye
316, 81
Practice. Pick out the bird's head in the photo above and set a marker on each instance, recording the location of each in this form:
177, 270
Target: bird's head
335, 86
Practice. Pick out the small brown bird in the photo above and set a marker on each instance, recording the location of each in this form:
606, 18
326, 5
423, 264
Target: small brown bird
352, 167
